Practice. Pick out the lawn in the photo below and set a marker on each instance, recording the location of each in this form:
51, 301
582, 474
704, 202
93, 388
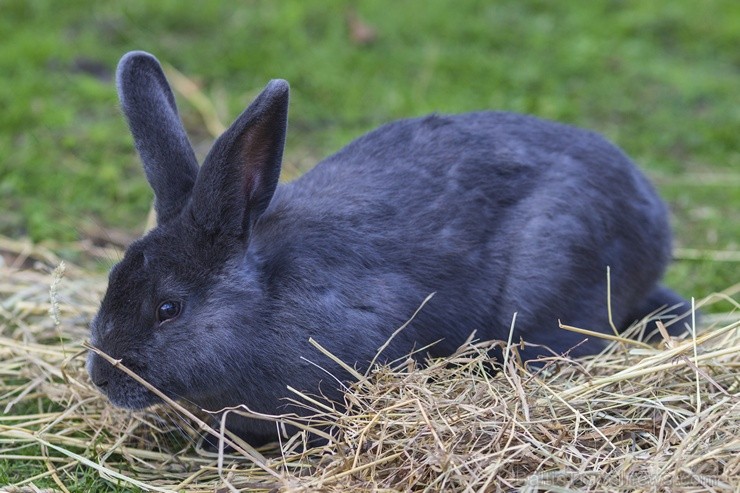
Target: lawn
658, 78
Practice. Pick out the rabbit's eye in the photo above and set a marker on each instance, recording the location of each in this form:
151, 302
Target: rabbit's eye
168, 310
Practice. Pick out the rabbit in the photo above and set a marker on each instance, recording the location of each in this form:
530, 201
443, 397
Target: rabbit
495, 213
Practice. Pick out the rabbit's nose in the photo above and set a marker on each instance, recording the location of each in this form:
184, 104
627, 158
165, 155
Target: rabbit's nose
98, 378
96, 372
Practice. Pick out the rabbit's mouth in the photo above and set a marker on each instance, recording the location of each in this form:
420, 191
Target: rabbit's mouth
120, 389
133, 398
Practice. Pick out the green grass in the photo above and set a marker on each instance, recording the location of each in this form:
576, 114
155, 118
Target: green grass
17, 470
659, 78
83, 478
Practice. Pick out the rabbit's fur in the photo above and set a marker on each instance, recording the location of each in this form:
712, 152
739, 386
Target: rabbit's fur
496, 213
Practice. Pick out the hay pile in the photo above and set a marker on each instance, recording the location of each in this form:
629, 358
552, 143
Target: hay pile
633, 418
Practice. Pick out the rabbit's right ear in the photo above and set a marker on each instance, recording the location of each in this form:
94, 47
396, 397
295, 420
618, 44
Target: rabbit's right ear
240, 174
149, 105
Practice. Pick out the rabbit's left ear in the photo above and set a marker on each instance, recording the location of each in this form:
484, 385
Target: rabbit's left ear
240, 173
169, 161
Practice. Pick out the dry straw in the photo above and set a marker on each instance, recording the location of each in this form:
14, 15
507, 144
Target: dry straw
637, 417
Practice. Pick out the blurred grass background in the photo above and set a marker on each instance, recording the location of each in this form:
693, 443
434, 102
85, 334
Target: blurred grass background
658, 78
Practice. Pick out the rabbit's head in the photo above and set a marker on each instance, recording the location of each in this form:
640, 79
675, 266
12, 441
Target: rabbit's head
175, 300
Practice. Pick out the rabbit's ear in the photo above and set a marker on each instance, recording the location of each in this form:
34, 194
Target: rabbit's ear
169, 161
240, 173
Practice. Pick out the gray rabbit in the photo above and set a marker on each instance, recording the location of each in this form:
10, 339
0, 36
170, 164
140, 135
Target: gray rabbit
494, 212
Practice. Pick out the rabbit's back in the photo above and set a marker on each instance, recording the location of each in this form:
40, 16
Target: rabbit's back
494, 212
